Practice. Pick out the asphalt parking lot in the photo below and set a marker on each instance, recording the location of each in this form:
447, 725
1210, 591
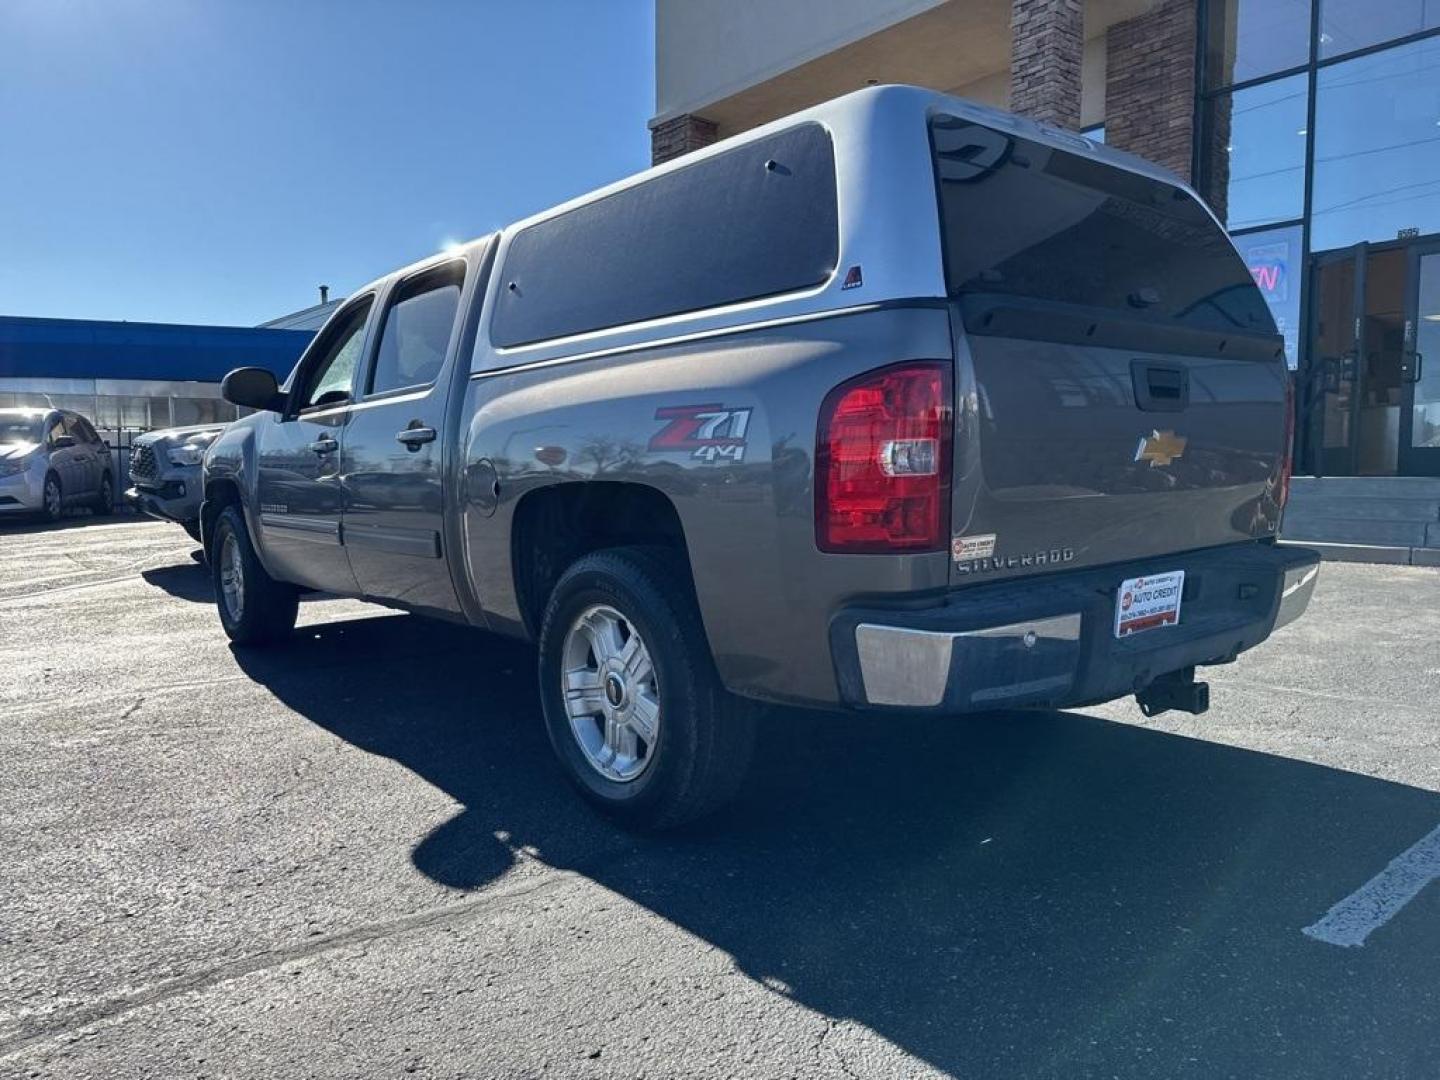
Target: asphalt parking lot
353, 857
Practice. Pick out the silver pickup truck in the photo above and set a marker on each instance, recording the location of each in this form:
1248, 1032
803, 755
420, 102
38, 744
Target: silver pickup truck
898, 403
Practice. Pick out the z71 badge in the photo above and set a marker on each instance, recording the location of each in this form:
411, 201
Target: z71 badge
709, 432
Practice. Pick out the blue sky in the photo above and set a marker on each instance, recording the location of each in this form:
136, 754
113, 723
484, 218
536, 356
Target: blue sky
213, 161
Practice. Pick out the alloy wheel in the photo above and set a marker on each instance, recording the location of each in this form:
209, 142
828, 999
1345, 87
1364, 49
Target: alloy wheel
611, 693
232, 578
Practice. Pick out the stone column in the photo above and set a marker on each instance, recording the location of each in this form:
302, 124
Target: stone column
679, 135
1150, 85
1046, 46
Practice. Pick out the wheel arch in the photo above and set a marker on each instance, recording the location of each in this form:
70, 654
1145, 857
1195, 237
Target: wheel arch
220, 492
554, 525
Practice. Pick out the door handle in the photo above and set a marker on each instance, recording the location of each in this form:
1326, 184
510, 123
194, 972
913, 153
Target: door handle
415, 437
1411, 366
323, 445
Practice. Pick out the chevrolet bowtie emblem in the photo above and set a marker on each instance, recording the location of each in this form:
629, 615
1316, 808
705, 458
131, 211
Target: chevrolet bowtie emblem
1160, 448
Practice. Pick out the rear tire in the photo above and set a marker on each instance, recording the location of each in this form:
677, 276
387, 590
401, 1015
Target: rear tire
633, 706
52, 507
105, 497
255, 609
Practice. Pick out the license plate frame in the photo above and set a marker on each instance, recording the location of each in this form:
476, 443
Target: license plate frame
1148, 602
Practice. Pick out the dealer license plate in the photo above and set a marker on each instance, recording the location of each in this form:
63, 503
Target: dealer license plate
1149, 602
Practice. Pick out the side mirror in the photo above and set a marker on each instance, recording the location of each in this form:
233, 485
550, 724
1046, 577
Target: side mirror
252, 388
62, 442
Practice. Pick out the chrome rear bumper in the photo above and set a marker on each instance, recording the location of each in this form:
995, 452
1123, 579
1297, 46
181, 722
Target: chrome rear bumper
1049, 642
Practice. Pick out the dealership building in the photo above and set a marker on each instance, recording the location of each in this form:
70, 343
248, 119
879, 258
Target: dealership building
1312, 127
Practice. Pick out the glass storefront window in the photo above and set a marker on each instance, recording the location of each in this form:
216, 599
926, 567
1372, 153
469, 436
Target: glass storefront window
1377, 147
1255, 169
1347, 25
1250, 38
1274, 258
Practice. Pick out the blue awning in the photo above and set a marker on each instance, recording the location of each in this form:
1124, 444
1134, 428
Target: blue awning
82, 349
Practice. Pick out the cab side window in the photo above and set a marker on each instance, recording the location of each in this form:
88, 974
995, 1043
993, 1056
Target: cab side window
329, 378
417, 329
54, 431
83, 431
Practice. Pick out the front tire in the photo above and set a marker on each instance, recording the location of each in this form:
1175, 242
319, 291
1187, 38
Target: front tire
105, 498
255, 609
633, 706
52, 505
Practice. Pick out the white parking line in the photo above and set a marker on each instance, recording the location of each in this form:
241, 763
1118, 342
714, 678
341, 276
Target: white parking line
1375, 903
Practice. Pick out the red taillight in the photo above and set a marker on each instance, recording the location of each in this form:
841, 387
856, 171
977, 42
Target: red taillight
1287, 455
882, 461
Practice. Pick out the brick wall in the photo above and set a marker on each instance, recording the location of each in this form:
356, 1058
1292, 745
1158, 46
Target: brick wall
1150, 84
679, 135
1046, 46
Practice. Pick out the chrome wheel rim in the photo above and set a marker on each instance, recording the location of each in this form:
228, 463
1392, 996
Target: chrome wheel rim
232, 578
52, 498
611, 694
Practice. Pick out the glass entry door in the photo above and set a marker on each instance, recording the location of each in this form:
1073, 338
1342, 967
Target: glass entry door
1360, 373
1331, 391
1420, 427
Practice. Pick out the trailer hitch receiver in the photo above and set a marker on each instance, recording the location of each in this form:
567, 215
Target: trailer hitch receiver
1177, 690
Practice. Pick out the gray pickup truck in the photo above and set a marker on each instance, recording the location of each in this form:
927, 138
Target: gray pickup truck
165, 477
898, 403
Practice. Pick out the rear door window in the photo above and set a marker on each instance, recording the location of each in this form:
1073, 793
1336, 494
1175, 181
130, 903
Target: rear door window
1022, 219
755, 221
417, 329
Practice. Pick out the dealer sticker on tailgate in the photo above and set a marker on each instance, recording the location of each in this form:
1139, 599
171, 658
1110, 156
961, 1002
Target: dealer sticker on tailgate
1144, 603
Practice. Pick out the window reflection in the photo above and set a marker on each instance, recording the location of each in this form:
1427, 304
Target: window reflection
1377, 146
1425, 424
1347, 25
1251, 38
1255, 141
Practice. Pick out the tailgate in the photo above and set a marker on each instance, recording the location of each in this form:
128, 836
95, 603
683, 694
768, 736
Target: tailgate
1077, 455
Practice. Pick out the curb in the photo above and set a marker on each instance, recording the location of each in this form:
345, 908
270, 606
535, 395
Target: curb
1371, 553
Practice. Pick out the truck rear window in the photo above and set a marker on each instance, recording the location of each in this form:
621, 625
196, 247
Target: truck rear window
756, 221
1023, 219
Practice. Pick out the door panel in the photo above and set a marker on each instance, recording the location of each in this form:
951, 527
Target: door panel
1420, 429
393, 455
86, 434
87, 462
301, 499
62, 461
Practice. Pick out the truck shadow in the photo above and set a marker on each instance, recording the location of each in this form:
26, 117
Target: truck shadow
183, 581
1016, 895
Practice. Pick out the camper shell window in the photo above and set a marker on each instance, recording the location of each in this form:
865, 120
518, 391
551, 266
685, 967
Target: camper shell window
755, 221
1026, 220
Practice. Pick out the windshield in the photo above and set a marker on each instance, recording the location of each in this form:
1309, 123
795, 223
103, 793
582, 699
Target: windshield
1023, 219
19, 429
